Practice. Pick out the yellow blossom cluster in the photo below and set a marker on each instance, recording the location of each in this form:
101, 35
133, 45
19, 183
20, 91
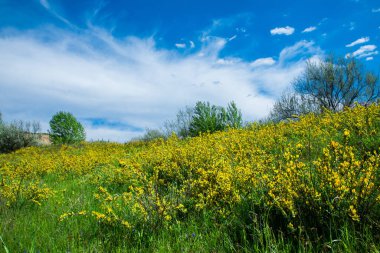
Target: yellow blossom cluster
327, 166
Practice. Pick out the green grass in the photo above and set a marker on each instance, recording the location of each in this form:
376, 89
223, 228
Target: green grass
31, 228
37, 229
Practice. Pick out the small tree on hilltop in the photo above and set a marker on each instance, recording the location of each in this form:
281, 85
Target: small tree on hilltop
65, 129
332, 84
336, 83
207, 118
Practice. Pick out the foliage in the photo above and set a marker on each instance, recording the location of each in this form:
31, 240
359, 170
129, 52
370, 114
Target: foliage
332, 84
204, 117
65, 129
207, 118
307, 185
181, 126
233, 116
338, 83
290, 105
152, 134
18, 134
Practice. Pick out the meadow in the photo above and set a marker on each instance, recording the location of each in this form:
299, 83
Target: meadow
308, 185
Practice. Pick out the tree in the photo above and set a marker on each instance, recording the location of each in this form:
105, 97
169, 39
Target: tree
332, 84
290, 105
65, 129
336, 83
207, 118
204, 117
234, 117
180, 126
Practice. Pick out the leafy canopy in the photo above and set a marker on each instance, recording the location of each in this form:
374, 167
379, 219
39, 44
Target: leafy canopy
65, 129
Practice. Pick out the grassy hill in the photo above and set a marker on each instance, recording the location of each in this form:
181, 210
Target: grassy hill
309, 185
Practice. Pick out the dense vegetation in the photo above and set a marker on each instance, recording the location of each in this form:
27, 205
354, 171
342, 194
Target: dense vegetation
308, 185
66, 129
18, 134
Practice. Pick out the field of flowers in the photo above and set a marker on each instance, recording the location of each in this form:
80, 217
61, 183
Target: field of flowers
309, 185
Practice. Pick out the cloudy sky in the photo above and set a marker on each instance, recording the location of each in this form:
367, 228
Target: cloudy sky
123, 66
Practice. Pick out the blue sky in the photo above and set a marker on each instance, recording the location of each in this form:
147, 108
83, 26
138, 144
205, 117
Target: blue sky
123, 66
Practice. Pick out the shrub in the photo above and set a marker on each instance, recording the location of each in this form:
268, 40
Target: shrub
65, 129
207, 118
18, 135
152, 134
204, 117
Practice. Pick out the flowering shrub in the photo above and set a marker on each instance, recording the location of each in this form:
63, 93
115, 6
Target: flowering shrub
301, 175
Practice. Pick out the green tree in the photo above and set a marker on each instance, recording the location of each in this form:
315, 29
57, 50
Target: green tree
207, 118
204, 117
234, 117
65, 129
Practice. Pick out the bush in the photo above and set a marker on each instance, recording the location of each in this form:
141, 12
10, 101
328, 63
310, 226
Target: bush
202, 118
151, 134
18, 135
65, 129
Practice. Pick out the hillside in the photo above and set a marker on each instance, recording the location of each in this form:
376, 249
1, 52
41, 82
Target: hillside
309, 185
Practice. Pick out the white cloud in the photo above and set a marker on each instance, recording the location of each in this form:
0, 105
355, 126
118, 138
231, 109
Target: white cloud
376, 10
358, 41
180, 45
192, 44
302, 48
309, 29
364, 51
287, 30
369, 58
232, 37
263, 62
94, 75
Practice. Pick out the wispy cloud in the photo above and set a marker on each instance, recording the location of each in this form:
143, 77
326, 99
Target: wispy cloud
309, 29
232, 37
180, 45
369, 58
358, 41
263, 62
53, 12
287, 30
364, 51
376, 10
130, 80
